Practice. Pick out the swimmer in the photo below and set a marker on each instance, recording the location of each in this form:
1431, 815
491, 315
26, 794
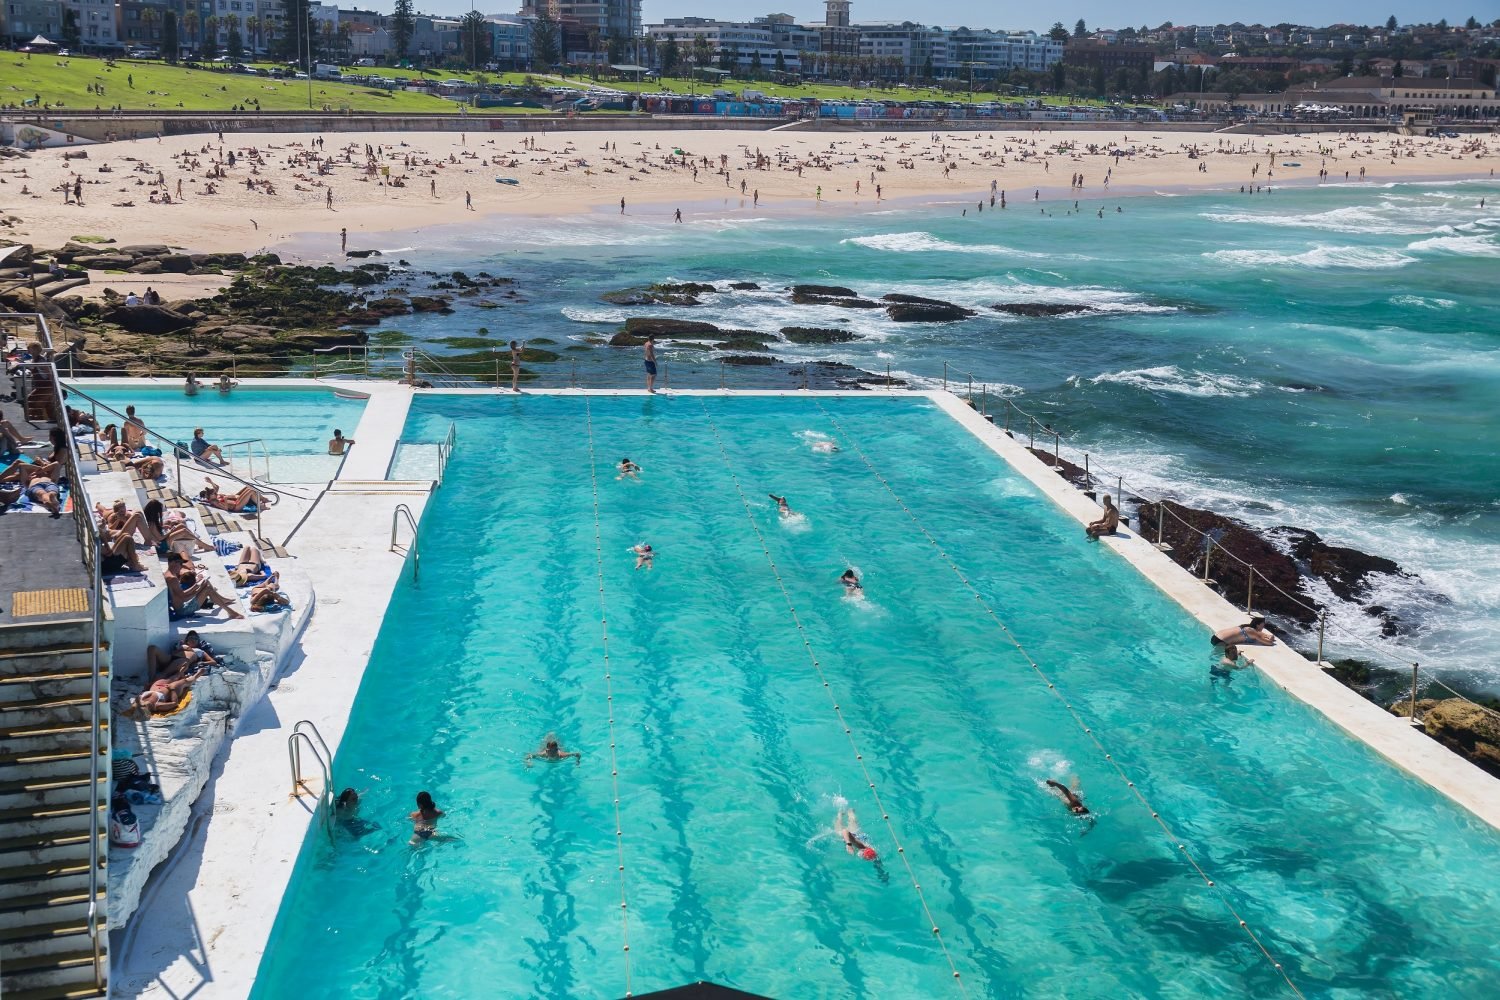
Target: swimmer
1253, 633
846, 825
824, 447
346, 811
1075, 804
628, 468
852, 587
1224, 669
782, 507
424, 820
551, 751
643, 556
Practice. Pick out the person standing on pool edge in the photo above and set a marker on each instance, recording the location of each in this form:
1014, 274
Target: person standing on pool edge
649, 347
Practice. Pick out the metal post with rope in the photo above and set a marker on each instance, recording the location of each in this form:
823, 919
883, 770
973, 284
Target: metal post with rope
609, 693
817, 666
1067, 704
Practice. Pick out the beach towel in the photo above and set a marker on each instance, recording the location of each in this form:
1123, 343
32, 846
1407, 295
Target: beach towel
129, 581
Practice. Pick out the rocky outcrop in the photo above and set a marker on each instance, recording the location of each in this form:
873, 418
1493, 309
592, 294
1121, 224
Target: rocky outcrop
817, 335
916, 309
432, 304
1039, 308
1346, 571
681, 329
830, 295
683, 293
748, 359
154, 320
1470, 730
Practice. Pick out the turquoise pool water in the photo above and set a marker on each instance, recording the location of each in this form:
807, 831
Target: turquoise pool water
291, 422
1362, 882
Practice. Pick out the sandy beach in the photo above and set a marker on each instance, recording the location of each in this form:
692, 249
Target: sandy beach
255, 192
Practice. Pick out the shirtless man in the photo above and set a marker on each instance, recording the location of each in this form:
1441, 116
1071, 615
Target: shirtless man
1069, 796
338, 443
1253, 633
782, 507
649, 349
1107, 524
553, 753
133, 434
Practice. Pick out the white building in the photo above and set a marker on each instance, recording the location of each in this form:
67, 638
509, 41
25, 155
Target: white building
96, 22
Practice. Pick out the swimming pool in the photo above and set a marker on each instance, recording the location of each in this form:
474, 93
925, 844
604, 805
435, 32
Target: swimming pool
730, 753
295, 424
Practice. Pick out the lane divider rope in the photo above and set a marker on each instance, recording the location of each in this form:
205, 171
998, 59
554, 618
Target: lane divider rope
817, 665
1088, 730
614, 763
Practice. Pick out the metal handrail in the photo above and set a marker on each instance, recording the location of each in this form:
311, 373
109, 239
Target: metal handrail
88, 540
445, 450
250, 454
402, 510
294, 757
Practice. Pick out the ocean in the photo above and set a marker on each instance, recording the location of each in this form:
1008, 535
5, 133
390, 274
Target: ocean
1325, 358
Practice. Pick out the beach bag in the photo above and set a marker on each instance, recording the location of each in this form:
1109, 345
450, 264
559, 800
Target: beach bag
124, 828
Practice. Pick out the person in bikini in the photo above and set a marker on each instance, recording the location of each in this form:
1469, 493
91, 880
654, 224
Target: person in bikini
644, 554
186, 590
628, 468
211, 495
251, 566
852, 587
424, 820
1252, 633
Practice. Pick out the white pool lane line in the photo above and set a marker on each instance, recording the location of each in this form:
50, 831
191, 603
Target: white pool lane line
1388, 735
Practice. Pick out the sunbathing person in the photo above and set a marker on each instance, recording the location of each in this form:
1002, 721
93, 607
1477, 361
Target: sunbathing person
24, 472
172, 529
238, 503
1107, 524
187, 590
252, 566
119, 544
9, 430
188, 659
149, 466
268, 596
161, 698
42, 490
120, 518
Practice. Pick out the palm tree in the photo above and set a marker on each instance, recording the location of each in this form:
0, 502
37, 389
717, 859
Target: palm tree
252, 28
190, 23
268, 28
149, 17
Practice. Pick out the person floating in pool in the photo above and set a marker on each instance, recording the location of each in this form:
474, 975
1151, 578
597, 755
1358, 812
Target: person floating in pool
782, 507
627, 468
553, 753
1070, 796
346, 811
1223, 670
1107, 524
644, 554
424, 820
1253, 633
853, 589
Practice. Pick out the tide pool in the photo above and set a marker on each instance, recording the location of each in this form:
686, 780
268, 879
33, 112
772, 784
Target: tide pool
709, 743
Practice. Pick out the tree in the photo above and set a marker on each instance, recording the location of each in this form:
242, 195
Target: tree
210, 46
252, 32
755, 64
1471, 23
780, 61
1080, 29
150, 16
190, 24
474, 34
404, 25
1346, 65
927, 68
1058, 33
670, 57
1399, 70
1059, 77
72, 34
235, 45
1390, 23
544, 42
726, 58
169, 43
616, 50
703, 53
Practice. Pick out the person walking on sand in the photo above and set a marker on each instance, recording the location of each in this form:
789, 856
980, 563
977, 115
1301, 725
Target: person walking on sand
515, 366
468, 201
343, 241
622, 206
650, 360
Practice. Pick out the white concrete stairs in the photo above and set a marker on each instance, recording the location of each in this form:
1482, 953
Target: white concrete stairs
47, 951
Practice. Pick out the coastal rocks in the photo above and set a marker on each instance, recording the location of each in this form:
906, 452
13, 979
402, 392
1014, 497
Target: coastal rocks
680, 329
817, 335
623, 339
431, 304
916, 309
1039, 309
1346, 571
1469, 730
744, 286
154, 320
748, 360
1278, 575
754, 343
830, 295
663, 293
103, 262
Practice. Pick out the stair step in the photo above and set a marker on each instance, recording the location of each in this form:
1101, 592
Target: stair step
69, 707
69, 983
47, 821
58, 876
59, 728
42, 756
51, 905
12, 936
49, 787
46, 841
58, 960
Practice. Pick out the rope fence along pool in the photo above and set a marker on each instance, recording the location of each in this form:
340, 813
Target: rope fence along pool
817, 666
1179, 845
609, 693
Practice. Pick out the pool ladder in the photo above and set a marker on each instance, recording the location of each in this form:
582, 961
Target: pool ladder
402, 510
306, 732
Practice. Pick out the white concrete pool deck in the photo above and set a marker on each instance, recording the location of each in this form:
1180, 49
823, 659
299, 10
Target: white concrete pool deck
206, 916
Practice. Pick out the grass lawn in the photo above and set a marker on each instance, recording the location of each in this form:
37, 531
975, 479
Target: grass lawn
157, 86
